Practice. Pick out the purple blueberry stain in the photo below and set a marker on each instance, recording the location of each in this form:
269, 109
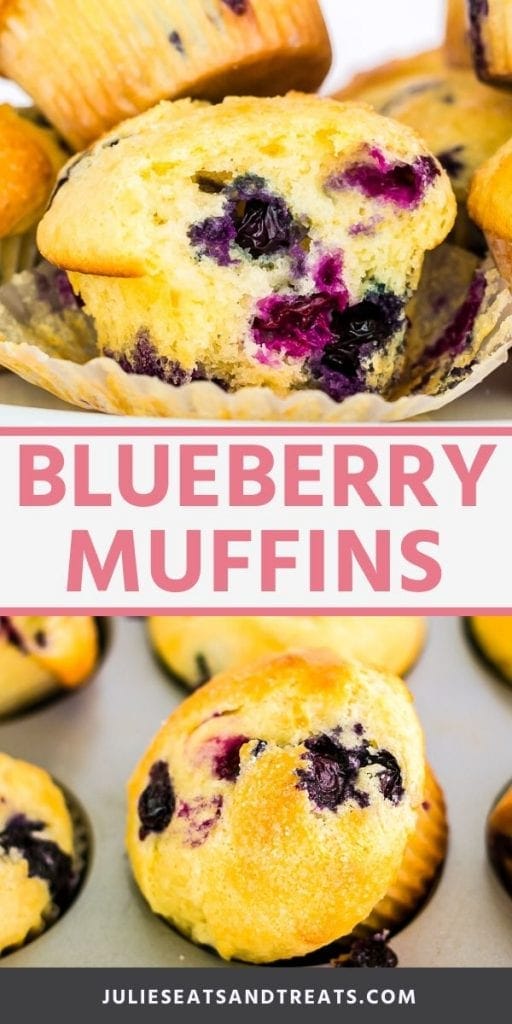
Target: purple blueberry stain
176, 41
45, 858
451, 160
226, 756
157, 803
328, 278
402, 184
478, 11
296, 325
55, 289
458, 334
213, 238
366, 228
371, 952
259, 748
254, 220
12, 634
356, 333
238, 7
145, 360
201, 816
333, 770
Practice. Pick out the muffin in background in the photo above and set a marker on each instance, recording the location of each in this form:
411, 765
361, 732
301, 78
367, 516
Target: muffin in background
42, 655
374, 85
285, 257
272, 811
492, 636
30, 159
39, 873
463, 122
457, 42
490, 33
489, 205
194, 649
94, 63
499, 838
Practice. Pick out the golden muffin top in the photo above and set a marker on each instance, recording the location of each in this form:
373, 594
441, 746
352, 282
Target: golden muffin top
195, 649
124, 209
285, 796
30, 158
376, 82
489, 200
66, 646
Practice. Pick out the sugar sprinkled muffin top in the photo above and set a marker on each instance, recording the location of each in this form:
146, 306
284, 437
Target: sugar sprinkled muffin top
272, 811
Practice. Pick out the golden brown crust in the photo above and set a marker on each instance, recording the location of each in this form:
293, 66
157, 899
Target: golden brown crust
421, 867
277, 874
195, 649
457, 44
489, 200
128, 59
25, 900
29, 160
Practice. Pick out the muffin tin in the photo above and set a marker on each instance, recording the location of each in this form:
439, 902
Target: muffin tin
92, 740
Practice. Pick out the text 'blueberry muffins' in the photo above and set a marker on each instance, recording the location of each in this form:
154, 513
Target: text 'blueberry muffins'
492, 635
272, 811
40, 655
194, 649
38, 876
284, 256
490, 34
30, 159
93, 63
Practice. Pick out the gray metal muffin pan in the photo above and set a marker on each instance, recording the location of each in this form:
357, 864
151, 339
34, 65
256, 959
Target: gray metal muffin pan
92, 740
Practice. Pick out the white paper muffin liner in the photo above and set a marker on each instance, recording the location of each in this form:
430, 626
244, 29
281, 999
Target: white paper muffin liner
49, 342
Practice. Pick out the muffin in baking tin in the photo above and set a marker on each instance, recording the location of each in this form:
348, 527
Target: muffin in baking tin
273, 810
194, 649
42, 852
41, 656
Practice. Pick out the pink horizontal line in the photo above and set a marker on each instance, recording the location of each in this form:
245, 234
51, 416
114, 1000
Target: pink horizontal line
212, 430
218, 612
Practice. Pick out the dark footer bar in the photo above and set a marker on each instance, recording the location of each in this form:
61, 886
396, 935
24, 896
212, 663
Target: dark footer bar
286, 994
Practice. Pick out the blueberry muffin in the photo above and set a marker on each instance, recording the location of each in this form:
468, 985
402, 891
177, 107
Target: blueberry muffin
489, 205
457, 42
462, 121
375, 83
499, 839
30, 159
284, 257
91, 67
37, 871
194, 649
421, 867
490, 33
272, 811
41, 655
492, 636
